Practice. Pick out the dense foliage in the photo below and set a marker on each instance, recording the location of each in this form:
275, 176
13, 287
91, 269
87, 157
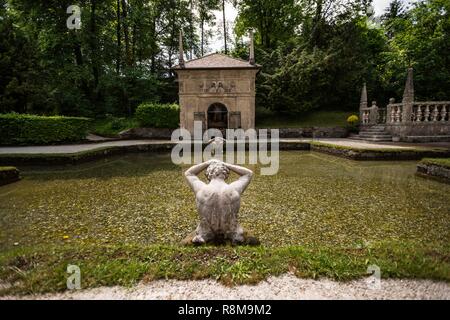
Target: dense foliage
24, 129
315, 53
156, 115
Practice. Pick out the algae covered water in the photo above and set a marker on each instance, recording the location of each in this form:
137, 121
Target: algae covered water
314, 199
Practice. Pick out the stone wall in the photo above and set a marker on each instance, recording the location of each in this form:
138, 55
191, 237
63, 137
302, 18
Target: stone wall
377, 154
313, 132
434, 171
8, 175
308, 132
421, 129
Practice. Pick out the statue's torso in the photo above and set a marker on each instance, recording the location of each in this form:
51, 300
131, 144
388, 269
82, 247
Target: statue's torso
219, 205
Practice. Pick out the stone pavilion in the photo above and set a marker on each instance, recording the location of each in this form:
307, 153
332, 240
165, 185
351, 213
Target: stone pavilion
217, 90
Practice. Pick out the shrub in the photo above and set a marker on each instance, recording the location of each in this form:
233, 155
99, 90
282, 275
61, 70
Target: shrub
158, 115
22, 129
352, 120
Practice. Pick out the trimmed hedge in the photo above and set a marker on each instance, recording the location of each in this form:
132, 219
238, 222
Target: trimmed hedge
155, 115
26, 129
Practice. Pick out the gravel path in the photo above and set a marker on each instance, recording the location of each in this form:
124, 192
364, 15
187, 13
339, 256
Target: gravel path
284, 287
74, 148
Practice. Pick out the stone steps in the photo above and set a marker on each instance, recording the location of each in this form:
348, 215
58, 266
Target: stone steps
375, 139
373, 133
372, 130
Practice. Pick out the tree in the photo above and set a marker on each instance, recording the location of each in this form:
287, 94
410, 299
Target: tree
275, 21
205, 17
422, 42
393, 17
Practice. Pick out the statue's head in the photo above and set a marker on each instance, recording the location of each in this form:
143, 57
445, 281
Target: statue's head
217, 169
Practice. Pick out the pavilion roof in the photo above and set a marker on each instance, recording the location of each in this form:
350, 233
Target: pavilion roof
217, 61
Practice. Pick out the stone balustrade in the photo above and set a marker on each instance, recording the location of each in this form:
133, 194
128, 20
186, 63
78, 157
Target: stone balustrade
394, 112
431, 111
409, 120
365, 115
370, 115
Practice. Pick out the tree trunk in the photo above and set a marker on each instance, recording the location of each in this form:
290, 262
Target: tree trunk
118, 39
94, 41
315, 33
224, 27
202, 36
133, 43
191, 27
78, 54
126, 33
153, 46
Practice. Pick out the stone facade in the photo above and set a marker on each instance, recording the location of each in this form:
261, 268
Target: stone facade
220, 98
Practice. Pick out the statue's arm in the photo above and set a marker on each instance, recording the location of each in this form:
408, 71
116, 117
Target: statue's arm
191, 176
245, 177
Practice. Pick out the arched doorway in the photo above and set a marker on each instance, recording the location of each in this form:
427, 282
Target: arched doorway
217, 116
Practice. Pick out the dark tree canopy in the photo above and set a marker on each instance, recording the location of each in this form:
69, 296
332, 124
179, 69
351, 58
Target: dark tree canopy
315, 53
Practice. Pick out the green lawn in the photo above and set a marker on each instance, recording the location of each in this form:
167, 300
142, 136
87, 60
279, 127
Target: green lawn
315, 119
43, 269
110, 127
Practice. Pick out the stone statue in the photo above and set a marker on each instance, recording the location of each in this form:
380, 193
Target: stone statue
220, 88
213, 88
218, 202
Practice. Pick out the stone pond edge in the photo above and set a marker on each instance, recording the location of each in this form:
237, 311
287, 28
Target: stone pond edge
427, 168
9, 175
358, 154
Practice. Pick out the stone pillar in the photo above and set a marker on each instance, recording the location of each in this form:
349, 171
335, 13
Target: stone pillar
362, 102
408, 97
252, 49
181, 53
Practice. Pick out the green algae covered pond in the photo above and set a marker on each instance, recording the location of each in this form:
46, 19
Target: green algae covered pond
142, 199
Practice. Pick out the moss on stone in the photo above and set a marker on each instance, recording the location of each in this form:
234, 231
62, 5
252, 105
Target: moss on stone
8, 175
7, 168
353, 153
445, 162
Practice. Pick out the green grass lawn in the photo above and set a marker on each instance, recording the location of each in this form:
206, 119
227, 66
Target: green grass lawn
110, 127
315, 119
121, 221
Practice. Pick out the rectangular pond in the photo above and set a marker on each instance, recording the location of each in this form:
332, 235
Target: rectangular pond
315, 199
